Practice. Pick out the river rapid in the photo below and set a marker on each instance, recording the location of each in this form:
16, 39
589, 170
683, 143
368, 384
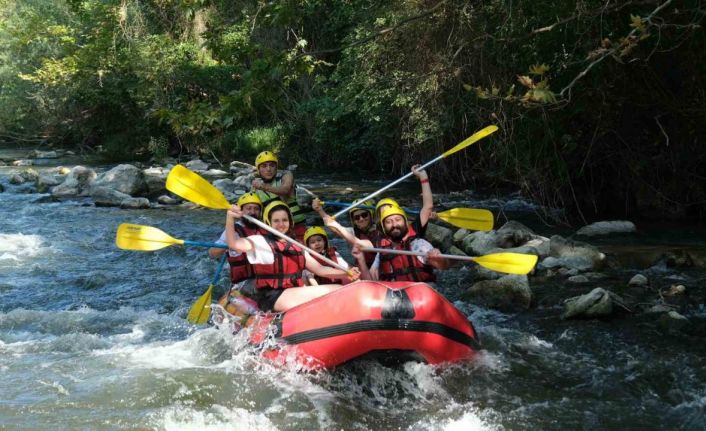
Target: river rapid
93, 337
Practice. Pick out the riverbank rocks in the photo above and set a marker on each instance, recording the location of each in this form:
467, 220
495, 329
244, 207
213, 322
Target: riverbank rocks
77, 183
572, 255
597, 303
672, 321
37, 154
506, 293
126, 179
607, 228
638, 280
439, 236
48, 180
229, 189
197, 165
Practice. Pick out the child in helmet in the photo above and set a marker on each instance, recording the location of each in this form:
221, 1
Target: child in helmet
316, 239
272, 185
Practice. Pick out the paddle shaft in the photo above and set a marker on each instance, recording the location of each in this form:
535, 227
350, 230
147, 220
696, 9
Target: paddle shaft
293, 241
204, 244
220, 268
392, 184
368, 207
415, 253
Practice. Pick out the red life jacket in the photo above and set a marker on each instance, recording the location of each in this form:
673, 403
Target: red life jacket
398, 267
285, 271
374, 236
331, 254
240, 268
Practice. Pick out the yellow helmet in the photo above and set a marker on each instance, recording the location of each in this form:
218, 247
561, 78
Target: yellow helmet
367, 203
314, 230
271, 207
385, 201
249, 198
265, 156
390, 211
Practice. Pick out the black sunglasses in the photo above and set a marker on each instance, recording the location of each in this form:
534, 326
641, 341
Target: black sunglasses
361, 215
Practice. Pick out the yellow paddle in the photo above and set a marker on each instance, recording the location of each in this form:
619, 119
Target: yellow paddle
190, 186
467, 218
510, 263
201, 310
148, 238
466, 143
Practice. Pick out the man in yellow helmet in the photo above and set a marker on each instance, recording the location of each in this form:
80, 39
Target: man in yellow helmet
272, 185
399, 234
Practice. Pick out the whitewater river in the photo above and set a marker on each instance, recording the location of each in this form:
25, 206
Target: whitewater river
95, 338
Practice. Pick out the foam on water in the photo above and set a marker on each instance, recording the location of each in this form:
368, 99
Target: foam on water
217, 417
17, 247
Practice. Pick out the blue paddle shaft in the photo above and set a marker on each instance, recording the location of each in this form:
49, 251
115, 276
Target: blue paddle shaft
204, 244
220, 268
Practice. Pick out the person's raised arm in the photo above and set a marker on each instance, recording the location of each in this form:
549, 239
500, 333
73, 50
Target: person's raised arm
427, 199
241, 245
359, 257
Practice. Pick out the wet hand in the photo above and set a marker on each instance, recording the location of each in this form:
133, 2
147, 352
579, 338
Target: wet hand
354, 273
356, 253
421, 174
316, 205
234, 212
434, 215
258, 184
434, 253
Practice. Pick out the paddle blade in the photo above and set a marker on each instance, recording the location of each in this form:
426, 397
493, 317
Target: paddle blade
201, 309
472, 140
143, 238
468, 218
192, 187
510, 263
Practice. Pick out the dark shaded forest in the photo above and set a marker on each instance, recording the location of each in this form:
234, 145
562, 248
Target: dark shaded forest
601, 104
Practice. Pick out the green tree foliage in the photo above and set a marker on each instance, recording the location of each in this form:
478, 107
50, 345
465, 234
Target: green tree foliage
598, 101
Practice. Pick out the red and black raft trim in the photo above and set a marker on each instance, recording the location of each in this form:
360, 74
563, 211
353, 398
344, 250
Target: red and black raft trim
367, 317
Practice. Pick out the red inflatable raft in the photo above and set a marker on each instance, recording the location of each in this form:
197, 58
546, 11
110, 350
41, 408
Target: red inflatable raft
393, 319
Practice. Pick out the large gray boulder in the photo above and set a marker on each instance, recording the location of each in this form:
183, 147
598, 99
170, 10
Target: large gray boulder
507, 293
77, 183
126, 178
439, 236
596, 303
155, 178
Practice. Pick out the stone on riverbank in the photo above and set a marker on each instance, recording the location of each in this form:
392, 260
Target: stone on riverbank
607, 228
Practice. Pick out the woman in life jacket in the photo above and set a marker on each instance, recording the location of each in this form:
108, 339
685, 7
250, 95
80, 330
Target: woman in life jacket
272, 185
278, 264
316, 239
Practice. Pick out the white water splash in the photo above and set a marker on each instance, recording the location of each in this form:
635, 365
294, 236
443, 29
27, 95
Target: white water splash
17, 247
218, 418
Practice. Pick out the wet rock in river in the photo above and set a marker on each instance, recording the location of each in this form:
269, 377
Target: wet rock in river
507, 293
125, 178
167, 200
197, 165
597, 303
607, 227
638, 280
672, 321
